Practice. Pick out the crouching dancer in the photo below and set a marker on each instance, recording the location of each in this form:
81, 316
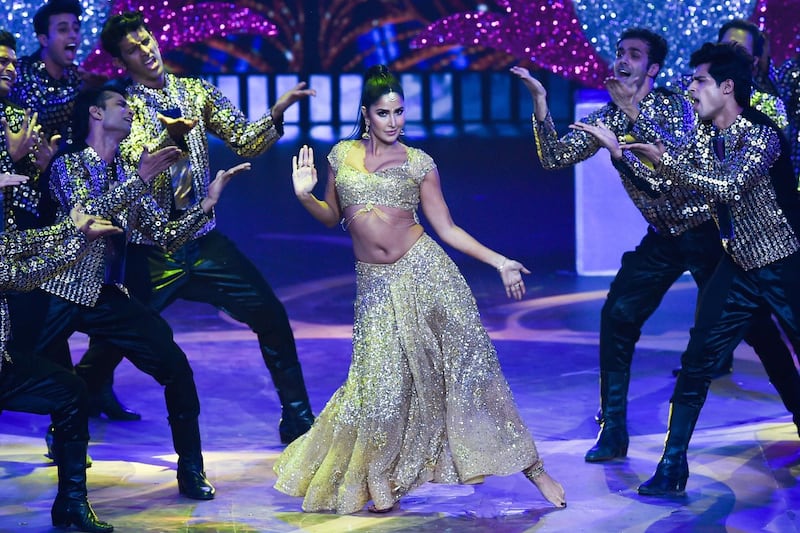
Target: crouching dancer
30, 384
90, 296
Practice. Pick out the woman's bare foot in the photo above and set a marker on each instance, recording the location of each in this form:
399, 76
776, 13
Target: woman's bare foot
549, 487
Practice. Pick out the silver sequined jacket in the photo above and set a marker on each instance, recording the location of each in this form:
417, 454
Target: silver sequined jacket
669, 214
215, 114
52, 98
28, 258
113, 191
753, 186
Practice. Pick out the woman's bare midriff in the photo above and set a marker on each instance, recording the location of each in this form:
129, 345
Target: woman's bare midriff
381, 239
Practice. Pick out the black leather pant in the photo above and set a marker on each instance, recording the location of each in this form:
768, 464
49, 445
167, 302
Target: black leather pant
133, 329
731, 301
647, 273
35, 385
209, 269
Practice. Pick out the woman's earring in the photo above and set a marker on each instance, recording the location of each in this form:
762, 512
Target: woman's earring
402, 131
365, 135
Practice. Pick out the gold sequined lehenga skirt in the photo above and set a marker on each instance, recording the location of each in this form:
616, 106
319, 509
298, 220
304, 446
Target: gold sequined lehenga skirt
425, 399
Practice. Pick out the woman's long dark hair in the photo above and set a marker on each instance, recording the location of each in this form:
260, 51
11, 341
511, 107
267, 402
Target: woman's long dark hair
378, 80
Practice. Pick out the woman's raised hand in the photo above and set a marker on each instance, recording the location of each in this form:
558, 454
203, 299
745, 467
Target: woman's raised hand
304, 174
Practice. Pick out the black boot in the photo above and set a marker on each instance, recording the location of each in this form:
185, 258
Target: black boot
49, 439
612, 441
105, 401
71, 507
192, 481
296, 414
673, 469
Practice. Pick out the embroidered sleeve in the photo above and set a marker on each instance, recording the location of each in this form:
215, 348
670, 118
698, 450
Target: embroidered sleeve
336, 155
726, 180
71, 183
154, 222
245, 138
28, 258
421, 163
575, 146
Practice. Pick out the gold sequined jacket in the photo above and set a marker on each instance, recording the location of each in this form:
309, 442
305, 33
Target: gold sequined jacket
28, 258
669, 214
113, 191
21, 202
215, 114
752, 190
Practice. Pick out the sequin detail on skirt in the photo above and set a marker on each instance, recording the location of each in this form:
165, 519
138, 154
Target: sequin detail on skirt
425, 399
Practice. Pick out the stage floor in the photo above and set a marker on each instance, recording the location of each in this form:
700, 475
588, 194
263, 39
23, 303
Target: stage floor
744, 458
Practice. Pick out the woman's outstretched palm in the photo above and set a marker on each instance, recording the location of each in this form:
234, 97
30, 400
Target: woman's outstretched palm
304, 174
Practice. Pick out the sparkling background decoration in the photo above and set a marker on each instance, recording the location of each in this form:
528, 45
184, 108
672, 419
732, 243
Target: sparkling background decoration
176, 23
577, 38
19, 21
686, 24
545, 32
571, 38
781, 22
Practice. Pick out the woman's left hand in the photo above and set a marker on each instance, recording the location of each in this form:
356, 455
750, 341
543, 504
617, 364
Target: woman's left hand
511, 273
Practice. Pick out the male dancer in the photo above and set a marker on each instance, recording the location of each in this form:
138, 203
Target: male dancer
47, 83
681, 235
49, 80
90, 296
739, 159
747, 34
209, 268
30, 384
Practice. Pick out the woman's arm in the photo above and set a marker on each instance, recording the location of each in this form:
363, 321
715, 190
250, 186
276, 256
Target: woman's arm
304, 178
438, 214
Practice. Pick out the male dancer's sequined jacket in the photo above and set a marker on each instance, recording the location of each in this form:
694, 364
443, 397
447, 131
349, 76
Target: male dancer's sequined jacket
53, 99
669, 214
192, 99
113, 191
752, 191
28, 258
21, 203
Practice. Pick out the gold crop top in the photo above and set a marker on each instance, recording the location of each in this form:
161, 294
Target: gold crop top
391, 187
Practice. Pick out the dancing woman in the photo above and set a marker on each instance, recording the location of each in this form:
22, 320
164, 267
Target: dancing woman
425, 399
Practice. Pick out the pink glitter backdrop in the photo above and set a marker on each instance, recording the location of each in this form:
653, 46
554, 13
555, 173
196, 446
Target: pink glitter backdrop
550, 34
348, 35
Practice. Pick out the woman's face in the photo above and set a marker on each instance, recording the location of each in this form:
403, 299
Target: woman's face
386, 118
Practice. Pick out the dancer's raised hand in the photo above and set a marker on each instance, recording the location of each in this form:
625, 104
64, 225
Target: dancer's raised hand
304, 173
